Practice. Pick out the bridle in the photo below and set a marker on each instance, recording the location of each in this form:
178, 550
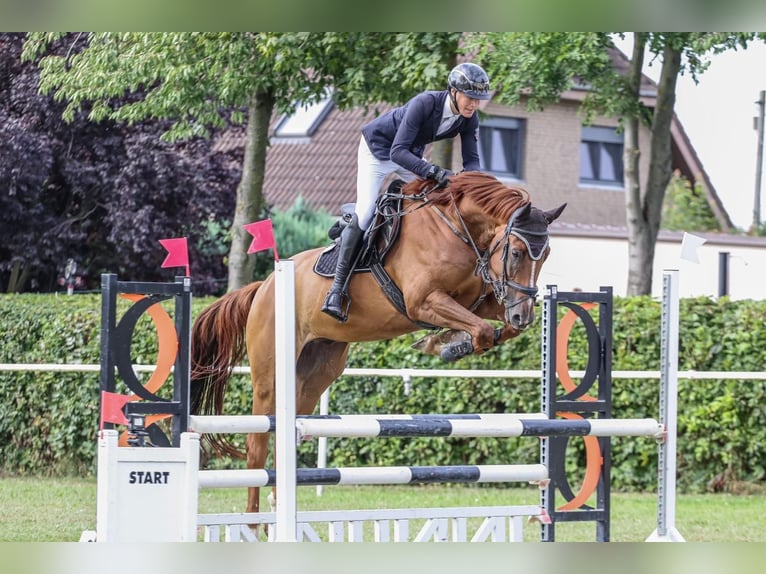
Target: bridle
501, 285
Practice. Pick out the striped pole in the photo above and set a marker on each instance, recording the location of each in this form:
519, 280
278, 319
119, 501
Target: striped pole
232, 424
377, 475
455, 425
501, 426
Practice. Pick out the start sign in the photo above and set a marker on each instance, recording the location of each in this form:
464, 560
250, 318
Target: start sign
147, 494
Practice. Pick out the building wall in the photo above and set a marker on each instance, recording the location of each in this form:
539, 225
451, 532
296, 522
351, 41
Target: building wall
584, 263
551, 164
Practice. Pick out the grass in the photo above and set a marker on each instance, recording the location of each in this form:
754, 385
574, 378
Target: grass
59, 510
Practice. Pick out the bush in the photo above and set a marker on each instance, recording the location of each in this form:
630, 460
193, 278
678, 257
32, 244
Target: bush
48, 421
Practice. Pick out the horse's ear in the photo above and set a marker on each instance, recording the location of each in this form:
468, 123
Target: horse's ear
553, 214
523, 211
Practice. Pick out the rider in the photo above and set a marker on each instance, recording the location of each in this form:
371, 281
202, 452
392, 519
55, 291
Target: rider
394, 142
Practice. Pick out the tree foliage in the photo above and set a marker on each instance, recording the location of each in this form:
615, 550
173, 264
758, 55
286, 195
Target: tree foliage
99, 192
538, 67
299, 228
202, 81
685, 207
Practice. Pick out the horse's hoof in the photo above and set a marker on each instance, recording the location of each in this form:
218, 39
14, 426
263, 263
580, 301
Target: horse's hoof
455, 351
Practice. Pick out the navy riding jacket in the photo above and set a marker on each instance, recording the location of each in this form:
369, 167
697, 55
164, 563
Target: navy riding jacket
401, 134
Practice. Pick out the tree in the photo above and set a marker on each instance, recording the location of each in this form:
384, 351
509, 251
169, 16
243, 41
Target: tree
538, 67
685, 208
98, 193
211, 80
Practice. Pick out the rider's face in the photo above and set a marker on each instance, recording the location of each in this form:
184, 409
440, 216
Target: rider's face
466, 105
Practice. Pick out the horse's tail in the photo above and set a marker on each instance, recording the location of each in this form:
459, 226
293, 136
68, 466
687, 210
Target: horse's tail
217, 346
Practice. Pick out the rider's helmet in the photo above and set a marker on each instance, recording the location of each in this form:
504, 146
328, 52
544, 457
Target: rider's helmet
470, 79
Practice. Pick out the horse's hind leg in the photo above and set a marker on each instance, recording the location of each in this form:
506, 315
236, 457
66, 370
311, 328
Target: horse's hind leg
260, 348
257, 452
320, 363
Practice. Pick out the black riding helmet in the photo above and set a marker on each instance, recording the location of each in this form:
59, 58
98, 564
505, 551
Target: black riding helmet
470, 79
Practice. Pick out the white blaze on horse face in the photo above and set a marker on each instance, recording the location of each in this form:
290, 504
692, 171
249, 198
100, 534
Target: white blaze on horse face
519, 311
532, 274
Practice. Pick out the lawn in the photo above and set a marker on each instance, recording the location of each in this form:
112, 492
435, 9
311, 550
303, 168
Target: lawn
59, 510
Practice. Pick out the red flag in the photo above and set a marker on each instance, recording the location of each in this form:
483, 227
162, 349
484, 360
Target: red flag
111, 408
178, 253
263, 237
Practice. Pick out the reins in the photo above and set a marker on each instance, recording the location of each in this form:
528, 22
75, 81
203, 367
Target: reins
419, 200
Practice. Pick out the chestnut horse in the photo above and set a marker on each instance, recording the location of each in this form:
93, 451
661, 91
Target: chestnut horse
466, 253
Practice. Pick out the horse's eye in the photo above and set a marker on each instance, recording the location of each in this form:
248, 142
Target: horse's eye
516, 254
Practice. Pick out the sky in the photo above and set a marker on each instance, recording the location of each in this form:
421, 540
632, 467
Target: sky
718, 116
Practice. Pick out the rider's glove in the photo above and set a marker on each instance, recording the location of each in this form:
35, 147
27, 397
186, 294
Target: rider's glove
439, 175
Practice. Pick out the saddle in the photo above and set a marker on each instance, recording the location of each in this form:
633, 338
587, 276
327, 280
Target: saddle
377, 242
378, 239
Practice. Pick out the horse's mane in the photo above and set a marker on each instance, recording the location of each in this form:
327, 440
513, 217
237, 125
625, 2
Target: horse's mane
491, 196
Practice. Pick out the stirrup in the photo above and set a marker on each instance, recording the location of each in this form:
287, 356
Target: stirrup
454, 351
339, 312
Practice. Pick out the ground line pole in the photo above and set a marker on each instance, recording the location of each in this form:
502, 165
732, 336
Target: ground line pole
285, 437
666, 463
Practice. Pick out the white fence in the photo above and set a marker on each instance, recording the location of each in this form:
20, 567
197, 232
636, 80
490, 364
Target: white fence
407, 374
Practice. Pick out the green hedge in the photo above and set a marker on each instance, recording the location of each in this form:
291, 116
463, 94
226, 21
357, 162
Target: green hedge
48, 421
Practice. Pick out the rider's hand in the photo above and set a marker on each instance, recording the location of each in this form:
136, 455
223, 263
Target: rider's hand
439, 175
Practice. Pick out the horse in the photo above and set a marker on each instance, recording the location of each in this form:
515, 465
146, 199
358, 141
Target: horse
467, 253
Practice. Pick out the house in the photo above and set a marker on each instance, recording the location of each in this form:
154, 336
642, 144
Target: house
551, 154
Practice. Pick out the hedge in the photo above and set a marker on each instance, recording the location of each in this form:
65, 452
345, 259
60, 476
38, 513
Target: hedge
48, 421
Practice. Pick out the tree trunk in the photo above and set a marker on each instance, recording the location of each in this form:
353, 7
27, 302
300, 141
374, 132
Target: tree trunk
442, 150
645, 209
660, 165
18, 278
250, 202
441, 153
635, 222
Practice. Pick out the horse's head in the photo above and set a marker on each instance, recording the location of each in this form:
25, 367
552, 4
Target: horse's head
516, 256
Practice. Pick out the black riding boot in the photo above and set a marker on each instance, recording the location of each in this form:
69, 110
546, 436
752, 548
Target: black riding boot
350, 242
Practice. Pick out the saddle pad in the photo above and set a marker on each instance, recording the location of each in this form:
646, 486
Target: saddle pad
328, 259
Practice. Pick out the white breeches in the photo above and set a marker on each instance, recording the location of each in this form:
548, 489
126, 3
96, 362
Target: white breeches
371, 172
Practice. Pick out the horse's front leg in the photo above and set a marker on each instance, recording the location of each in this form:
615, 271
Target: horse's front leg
438, 308
504, 333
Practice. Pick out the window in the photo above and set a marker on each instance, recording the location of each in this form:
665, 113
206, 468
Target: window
304, 120
500, 145
601, 156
